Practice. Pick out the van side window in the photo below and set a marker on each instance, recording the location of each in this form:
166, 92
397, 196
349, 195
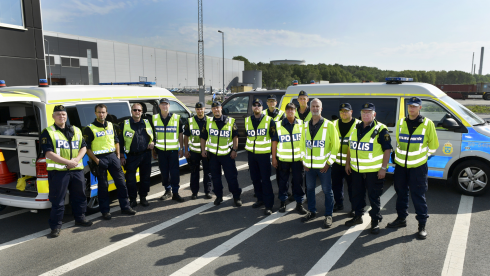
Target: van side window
236, 105
433, 111
263, 98
114, 112
176, 108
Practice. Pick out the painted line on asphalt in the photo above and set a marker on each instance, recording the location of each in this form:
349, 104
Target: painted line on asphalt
453, 264
45, 232
14, 213
323, 266
212, 255
136, 237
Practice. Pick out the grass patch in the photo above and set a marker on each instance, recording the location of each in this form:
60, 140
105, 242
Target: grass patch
479, 108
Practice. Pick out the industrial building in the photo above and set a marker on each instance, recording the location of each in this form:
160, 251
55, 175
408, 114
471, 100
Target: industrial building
289, 62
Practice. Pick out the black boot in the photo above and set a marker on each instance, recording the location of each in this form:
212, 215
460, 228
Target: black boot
301, 210
178, 198
128, 211
374, 226
194, 196
398, 222
422, 234
166, 195
257, 204
238, 202
133, 203
218, 200
338, 207
282, 209
267, 212
208, 196
354, 221
55, 233
144, 202
309, 216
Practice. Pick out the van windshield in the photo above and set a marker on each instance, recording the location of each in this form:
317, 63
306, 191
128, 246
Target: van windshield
464, 112
115, 111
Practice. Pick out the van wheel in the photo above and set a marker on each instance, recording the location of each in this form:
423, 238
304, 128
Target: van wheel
486, 96
2, 207
93, 204
471, 178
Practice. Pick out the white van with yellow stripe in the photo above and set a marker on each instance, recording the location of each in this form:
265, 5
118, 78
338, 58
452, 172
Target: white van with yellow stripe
26, 110
463, 156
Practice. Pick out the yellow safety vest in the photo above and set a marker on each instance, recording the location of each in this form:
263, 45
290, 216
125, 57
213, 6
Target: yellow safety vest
195, 139
103, 139
308, 117
62, 148
167, 138
258, 141
321, 149
366, 155
344, 142
278, 116
128, 133
219, 142
289, 145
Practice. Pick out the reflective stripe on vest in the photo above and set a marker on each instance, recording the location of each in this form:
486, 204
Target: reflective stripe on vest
103, 139
344, 143
419, 148
128, 133
316, 154
62, 147
289, 145
258, 141
370, 151
167, 137
219, 141
278, 116
195, 139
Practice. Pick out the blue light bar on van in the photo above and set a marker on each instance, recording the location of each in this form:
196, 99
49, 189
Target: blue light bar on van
128, 83
398, 79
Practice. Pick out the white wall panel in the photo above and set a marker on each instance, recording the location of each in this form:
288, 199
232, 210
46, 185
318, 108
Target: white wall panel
149, 63
121, 60
217, 75
136, 62
235, 71
172, 69
182, 69
105, 50
161, 68
192, 70
240, 70
228, 72
208, 70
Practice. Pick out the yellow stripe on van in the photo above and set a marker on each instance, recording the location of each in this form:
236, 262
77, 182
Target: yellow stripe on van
402, 108
62, 101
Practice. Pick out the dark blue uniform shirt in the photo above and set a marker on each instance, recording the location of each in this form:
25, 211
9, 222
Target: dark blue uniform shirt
89, 135
274, 114
220, 122
141, 139
384, 138
47, 143
287, 125
303, 116
315, 127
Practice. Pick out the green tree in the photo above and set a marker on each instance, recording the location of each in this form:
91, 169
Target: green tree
247, 64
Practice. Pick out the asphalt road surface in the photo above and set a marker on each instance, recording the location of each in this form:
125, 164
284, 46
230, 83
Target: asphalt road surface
196, 237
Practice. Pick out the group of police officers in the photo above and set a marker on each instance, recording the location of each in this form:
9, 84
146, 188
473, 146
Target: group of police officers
302, 146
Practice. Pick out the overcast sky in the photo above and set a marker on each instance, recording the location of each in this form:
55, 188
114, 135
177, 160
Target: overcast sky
394, 35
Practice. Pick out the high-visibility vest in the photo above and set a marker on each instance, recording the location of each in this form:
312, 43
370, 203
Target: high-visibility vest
103, 139
195, 139
258, 141
289, 145
278, 116
308, 117
167, 138
367, 154
321, 149
62, 148
421, 143
219, 142
344, 142
128, 133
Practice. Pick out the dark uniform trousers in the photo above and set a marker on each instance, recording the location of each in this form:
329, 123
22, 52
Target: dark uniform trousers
338, 176
194, 162
59, 183
111, 163
283, 172
374, 186
231, 174
168, 161
415, 181
143, 162
260, 173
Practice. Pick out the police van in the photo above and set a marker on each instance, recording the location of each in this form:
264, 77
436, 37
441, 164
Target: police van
26, 110
463, 157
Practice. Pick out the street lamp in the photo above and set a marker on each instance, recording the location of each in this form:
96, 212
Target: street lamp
223, 42
49, 62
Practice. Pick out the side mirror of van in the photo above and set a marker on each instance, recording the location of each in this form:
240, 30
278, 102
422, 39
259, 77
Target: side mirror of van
450, 124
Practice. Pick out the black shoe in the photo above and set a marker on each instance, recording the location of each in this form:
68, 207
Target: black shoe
238, 202
178, 198
290, 197
128, 211
352, 213
106, 216
218, 200
268, 212
301, 210
309, 216
84, 223
354, 221
338, 207
133, 203
194, 196
282, 209
327, 222
398, 222
422, 234
257, 204
374, 226
144, 202
208, 196
166, 195
55, 233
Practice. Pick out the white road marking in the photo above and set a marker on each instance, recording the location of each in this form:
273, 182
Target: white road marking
137, 237
323, 266
91, 217
212, 255
14, 213
453, 264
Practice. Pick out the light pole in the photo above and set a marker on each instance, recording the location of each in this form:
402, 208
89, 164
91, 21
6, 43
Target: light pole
223, 41
49, 62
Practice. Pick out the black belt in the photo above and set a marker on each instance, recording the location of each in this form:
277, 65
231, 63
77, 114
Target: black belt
137, 153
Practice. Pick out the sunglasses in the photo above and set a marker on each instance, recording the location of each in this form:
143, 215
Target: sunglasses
256, 105
137, 110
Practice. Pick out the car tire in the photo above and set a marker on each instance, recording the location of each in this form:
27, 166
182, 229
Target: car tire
486, 96
93, 204
475, 184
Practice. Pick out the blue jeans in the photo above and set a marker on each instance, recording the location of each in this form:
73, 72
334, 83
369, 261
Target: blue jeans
326, 182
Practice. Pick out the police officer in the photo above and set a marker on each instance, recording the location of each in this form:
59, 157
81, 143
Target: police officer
286, 158
137, 135
303, 113
345, 126
103, 149
367, 158
320, 146
219, 142
192, 133
416, 137
259, 128
274, 112
64, 148
168, 136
